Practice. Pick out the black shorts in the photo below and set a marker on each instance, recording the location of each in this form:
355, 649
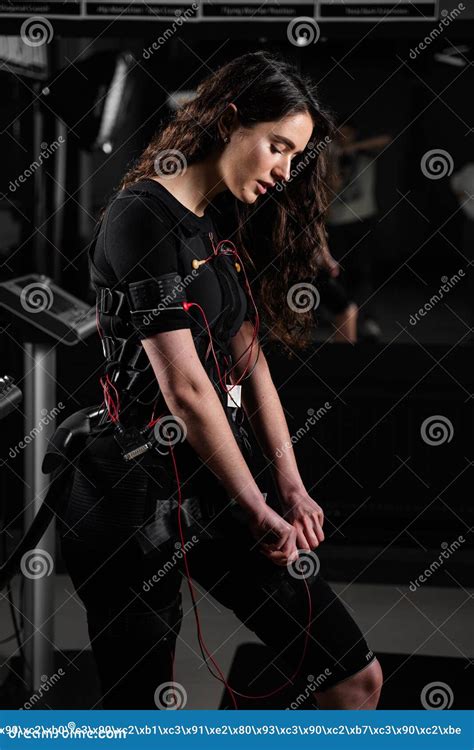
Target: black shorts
125, 593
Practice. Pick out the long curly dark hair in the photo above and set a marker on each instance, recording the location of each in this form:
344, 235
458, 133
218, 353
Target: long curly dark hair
287, 223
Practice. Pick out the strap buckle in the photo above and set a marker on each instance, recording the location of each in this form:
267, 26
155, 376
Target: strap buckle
106, 299
109, 300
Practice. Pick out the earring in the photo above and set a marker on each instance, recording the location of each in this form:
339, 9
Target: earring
226, 139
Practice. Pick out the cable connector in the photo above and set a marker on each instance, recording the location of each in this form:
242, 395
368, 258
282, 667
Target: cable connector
133, 443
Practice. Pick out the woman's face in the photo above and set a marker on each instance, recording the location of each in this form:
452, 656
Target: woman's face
262, 155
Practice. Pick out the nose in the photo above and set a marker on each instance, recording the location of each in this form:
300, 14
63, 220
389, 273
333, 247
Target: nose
283, 170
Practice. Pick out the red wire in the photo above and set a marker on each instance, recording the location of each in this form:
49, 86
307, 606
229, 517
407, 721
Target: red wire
190, 586
230, 690
98, 326
113, 408
233, 251
113, 411
187, 305
153, 421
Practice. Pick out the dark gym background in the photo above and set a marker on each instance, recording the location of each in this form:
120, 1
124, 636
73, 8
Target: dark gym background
391, 498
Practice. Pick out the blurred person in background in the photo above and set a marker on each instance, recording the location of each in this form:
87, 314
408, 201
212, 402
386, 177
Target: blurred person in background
335, 300
352, 218
462, 185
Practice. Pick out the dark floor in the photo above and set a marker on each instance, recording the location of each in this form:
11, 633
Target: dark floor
405, 679
420, 637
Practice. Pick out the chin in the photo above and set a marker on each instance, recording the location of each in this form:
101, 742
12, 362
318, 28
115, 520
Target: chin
244, 195
249, 196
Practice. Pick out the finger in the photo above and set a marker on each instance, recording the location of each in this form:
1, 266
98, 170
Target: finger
310, 532
288, 538
272, 554
301, 541
279, 559
287, 552
318, 529
289, 548
273, 546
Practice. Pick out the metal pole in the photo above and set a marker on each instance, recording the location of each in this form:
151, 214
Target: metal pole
38, 564
39, 202
59, 199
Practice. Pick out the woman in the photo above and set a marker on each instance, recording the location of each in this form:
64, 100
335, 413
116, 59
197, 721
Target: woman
178, 327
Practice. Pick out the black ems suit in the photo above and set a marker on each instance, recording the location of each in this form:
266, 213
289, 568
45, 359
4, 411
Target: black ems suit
119, 535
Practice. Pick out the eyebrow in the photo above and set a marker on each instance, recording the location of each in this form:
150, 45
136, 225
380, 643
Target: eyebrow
289, 143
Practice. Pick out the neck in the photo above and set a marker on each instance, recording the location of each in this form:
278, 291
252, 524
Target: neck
197, 187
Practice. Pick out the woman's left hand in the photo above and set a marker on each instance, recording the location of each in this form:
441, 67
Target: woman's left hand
306, 516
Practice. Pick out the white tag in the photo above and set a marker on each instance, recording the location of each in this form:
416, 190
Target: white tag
233, 397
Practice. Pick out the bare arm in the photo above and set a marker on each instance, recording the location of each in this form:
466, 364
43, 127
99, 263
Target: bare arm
190, 395
265, 413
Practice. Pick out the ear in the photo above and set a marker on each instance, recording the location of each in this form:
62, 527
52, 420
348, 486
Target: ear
228, 120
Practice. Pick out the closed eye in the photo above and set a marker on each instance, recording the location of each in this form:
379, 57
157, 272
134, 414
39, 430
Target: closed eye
275, 150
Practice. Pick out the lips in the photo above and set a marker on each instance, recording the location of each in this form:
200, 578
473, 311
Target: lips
263, 186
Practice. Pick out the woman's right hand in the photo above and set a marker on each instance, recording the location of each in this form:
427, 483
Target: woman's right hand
277, 537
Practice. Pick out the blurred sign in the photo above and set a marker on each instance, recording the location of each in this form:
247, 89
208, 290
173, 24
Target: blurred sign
368, 10
38, 8
25, 59
83, 9
136, 10
256, 11
242, 10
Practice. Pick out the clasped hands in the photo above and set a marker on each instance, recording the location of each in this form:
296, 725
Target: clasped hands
300, 527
